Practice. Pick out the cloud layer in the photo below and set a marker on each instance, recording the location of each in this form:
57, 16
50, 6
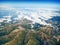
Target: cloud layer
38, 15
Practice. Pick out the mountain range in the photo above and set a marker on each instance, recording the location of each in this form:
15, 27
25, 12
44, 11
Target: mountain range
29, 26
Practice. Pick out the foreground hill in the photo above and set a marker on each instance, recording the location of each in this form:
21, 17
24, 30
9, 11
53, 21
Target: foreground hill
17, 34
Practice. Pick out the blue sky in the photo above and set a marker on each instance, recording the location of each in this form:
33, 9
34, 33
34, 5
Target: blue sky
31, 3
43, 1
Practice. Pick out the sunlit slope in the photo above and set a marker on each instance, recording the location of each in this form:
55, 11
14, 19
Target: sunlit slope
24, 36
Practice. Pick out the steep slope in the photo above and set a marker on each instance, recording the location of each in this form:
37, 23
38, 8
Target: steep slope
44, 35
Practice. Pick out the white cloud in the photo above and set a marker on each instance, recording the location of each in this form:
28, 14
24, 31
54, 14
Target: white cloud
1, 20
32, 14
7, 18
